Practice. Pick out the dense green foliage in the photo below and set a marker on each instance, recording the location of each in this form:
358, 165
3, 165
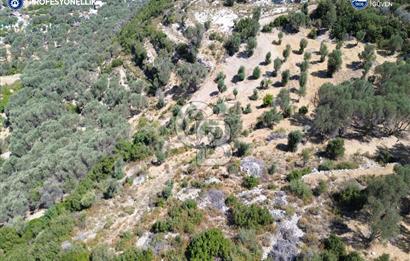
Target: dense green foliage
64, 110
209, 245
372, 109
294, 138
250, 182
335, 148
342, 19
182, 217
247, 216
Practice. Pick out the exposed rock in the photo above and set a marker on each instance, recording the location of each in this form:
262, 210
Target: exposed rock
212, 180
144, 240
222, 18
252, 196
280, 199
276, 136
278, 214
187, 193
287, 240
213, 198
138, 180
66, 245
253, 166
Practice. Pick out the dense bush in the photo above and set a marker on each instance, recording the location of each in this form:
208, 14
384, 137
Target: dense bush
298, 173
300, 189
294, 138
209, 245
268, 118
351, 198
251, 216
335, 148
181, 217
250, 182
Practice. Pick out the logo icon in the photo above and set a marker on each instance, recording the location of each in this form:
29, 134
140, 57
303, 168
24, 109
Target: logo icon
359, 4
15, 4
198, 127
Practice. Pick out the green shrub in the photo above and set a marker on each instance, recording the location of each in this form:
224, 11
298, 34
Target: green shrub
303, 110
182, 217
231, 201
267, 100
136, 254
300, 189
321, 188
335, 245
353, 256
233, 168
294, 138
272, 169
76, 253
250, 182
9, 238
298, 173
251, 216
242, 148
116, 62
347, 165
161, 226
326, 165
241, 73
335, 148
351, 198
208, 246
256, 72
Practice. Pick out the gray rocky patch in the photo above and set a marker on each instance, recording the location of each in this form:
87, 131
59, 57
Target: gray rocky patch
276, 136
252, 166
213, 198
187, 193
286, 240
252, 196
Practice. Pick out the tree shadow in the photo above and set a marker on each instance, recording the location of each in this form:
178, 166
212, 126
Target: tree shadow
294, 77
402, 241
384, 53
296, 52
401, 153
277, 84
315, 62
293, 90
243, 54
235, 79
321, 74
350, 46
338, 227
354, 66
282, 147
214, 93
300, 120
